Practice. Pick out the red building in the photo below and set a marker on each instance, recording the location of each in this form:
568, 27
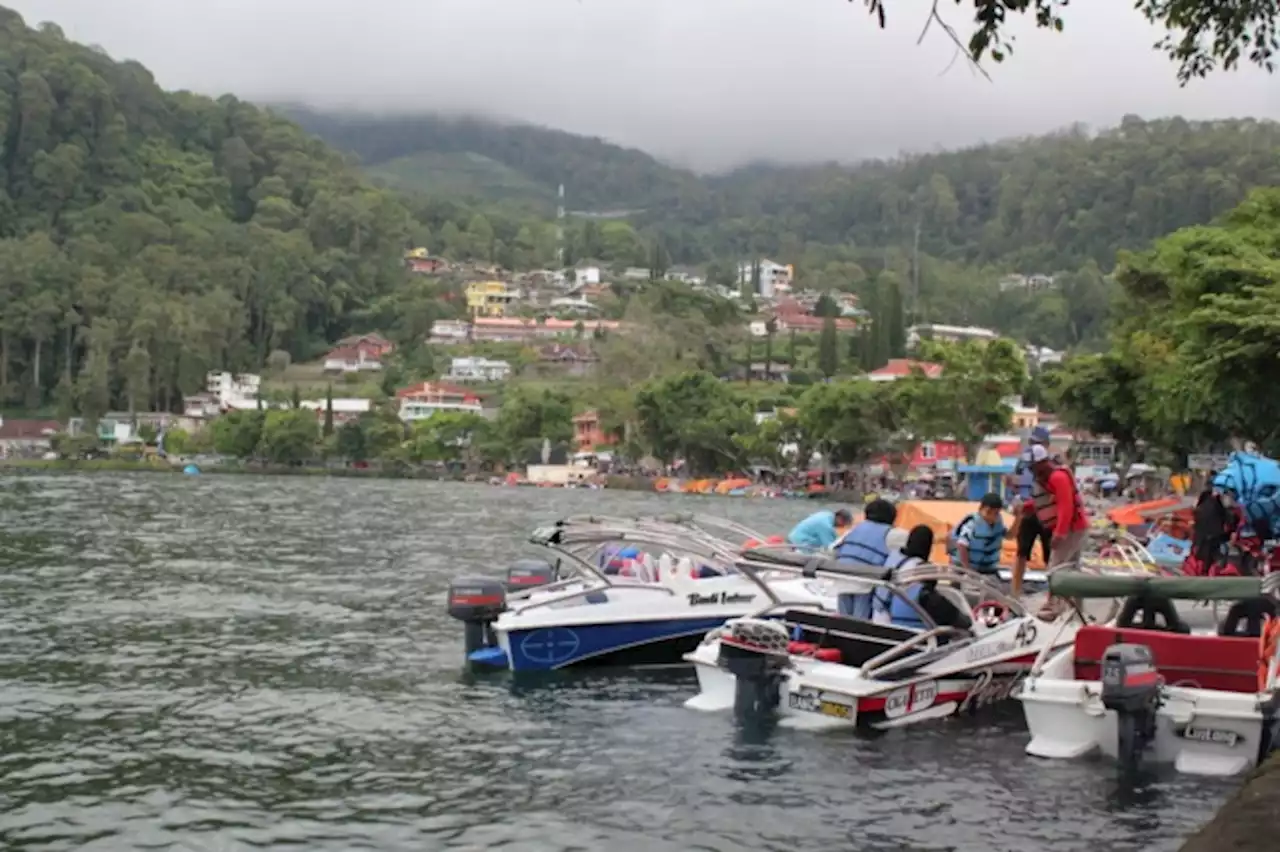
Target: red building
586, 432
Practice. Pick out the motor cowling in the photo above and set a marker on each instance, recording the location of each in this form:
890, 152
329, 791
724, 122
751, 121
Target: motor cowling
1131, 689
476, 599
530, 574
477, 602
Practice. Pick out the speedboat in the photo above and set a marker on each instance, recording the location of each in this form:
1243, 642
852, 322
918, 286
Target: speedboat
573, 613
1147, 688
819, 669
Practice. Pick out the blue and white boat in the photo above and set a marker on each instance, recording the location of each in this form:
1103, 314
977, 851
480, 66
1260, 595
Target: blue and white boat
688, 579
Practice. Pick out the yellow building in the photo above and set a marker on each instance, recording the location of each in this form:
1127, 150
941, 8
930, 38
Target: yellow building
488, 298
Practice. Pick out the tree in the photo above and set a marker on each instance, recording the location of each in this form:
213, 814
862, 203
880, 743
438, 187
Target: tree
828, 355
289, 436
1202, 35
970, 399
846, 421
238, 433
693, 416
295, 398
328, 411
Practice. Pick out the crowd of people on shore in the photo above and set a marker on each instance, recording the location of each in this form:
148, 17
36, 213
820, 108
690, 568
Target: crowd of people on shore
1048, 510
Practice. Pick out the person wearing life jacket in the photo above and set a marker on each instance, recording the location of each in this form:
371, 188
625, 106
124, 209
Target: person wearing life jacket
977, 542
865, 543
820, 530
1057, 505
1027, 526
937, 606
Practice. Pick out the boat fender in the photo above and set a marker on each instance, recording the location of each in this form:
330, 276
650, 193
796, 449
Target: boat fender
1267, 643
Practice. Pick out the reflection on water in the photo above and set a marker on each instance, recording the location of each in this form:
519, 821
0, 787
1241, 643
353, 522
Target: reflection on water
227, 663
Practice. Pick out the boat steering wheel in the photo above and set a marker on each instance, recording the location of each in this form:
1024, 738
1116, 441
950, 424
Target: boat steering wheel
990, 613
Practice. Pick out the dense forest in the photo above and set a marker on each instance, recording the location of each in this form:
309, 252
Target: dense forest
146, 237
1032, 205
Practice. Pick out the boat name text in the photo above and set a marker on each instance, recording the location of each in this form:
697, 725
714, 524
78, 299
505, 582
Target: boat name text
696, 599
917, 697
1211, 735
990, 689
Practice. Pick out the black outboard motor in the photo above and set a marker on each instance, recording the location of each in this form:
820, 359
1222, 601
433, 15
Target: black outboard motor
1131, 688
477, 602
530, 574
755, 654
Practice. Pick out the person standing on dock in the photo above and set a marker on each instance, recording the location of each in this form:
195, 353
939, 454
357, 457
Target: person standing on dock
1028, 526
820, 530
1057, 506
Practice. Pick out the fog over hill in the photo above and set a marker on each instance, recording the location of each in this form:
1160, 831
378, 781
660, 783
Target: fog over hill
708, 84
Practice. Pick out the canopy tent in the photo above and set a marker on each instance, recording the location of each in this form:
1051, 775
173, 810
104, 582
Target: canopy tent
942, 516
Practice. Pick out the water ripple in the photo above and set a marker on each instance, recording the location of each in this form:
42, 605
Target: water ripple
242, 663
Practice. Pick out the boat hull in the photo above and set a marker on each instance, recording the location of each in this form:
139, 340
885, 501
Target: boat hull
813, 694
661, 642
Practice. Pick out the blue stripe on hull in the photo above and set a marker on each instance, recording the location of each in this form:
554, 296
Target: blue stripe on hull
558, 647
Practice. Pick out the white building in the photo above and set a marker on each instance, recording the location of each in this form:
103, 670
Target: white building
223, 392
947, 333
1029, 283
775, 278
343, 409
586, 275
478, 369
450, 331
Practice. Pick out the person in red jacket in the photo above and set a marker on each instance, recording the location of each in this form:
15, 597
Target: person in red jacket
1055, 500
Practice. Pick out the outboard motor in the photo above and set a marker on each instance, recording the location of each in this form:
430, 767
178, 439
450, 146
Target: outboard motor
530, 574
754, 651
477, 602
1131, 688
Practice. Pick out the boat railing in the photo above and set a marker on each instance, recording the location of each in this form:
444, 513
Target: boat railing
880, 661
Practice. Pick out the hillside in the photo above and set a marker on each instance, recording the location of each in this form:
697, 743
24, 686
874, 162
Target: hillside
1035, 204
483, 159
147, 237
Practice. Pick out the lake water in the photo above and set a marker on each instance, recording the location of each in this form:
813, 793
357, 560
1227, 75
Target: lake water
226, 663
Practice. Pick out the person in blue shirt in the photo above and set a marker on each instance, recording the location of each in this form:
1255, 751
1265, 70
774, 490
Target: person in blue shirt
820, 530
865, 544
979, 538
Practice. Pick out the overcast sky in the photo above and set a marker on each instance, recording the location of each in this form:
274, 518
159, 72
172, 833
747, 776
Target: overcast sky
706, 82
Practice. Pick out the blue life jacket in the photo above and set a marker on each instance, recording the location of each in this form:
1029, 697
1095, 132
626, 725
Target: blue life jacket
1026, 480
901, 613
887, 600
864, 544
985, 542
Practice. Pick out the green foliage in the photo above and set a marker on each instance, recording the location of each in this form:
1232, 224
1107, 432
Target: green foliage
968, 401
288, 436
1193, 350
693, 416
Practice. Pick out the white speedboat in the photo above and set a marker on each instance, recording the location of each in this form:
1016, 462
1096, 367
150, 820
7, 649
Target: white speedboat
688, 580
819, 669
1147, 688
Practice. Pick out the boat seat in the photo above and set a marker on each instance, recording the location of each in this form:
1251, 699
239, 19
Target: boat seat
811, 649
857, 640
1226, 663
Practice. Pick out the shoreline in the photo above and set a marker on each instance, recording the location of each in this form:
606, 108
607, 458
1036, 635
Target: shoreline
610, 483
1247, 821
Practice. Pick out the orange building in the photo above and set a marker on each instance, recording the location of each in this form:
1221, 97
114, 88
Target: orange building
586, 432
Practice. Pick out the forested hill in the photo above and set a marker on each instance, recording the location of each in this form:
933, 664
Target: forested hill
1036, 204
485, 159
146, 237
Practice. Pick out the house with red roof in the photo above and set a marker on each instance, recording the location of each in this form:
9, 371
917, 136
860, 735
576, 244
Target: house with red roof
358, 353
426, 398
900, 368
26, 437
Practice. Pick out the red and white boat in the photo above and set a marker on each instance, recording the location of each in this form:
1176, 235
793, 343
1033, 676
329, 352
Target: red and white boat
818, 669
1146, 688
